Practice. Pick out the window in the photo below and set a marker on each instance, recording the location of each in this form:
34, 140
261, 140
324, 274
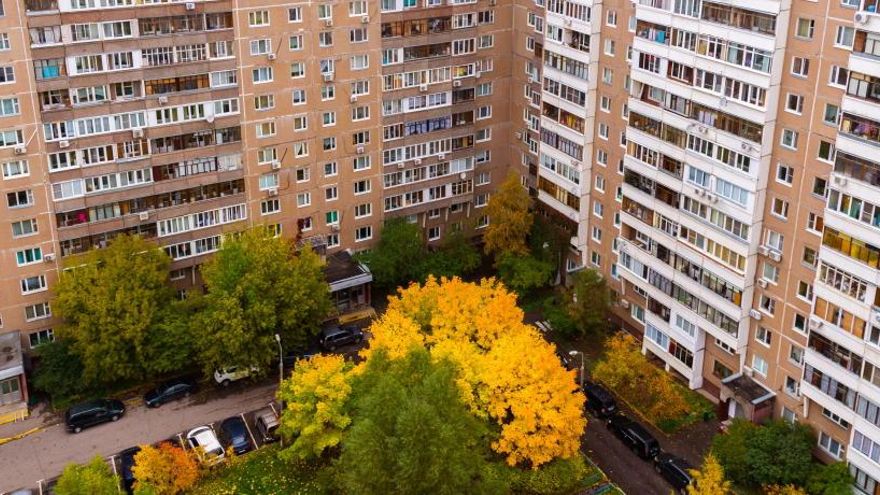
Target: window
7, 74
37, 283
770, 273
805, 290
780, 207
294, 14
265, 129
41, 337
261, 47
763, 336
295, 42
303, 199
24, 228
832, 446
611, 18
800, 66
4, 40
20, 199
301, 122
796, 354
362, 186
15, 169
810, 257
331, 193
784, 174
302, 174
331, 217
760, 365
363, 233
831, 116
258, 18
330, 169
269, 206
794, 103
297, 70
433, 233
792, 386
268, 181
839, 76
363, 210
264, 102
39, 311
325, 11
845, 37
805, 28
262, 75
789, 139
768, 304
820, 186
359, 62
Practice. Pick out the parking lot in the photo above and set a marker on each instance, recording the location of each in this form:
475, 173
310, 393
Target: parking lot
35, 461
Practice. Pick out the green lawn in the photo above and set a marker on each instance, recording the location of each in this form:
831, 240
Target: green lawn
262, 473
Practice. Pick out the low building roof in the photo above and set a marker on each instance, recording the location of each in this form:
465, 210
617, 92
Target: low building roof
746, 388
11, 363
342, 271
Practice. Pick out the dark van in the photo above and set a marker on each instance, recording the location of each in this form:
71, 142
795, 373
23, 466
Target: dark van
599, 401
92, 413
674, 470
635, 436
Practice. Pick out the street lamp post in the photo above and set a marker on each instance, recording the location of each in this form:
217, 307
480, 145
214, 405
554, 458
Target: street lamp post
581, 375
280, 361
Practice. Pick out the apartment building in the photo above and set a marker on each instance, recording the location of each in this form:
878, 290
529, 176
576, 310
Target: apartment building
183, 121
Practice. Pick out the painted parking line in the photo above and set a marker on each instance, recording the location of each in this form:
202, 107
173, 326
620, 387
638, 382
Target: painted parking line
180, 440
248, 428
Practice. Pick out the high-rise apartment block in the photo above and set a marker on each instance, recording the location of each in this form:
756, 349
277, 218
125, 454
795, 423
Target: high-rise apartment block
717, 161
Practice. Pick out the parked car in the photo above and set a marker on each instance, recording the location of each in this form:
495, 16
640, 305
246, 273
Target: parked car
92, 413
635, 436
674, 470
170, 390
336, 336
234, 433
126, 463
289, 359
205, 443
567, 361
267, 425
600, 402
231, 374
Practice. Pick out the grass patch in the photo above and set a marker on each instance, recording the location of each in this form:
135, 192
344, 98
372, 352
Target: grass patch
263, 473
701, 409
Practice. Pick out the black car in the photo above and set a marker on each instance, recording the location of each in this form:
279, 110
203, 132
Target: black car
170, 390
233, 433
92, 413
599, 401
635, 436
567, 361
126, 463
289, 359
674, 470
333, 337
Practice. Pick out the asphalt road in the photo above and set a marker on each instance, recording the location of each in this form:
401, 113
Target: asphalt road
43, 455
633, 475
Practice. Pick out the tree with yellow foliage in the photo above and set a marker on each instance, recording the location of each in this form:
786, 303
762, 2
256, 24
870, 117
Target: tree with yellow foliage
164, 470
506, 371
316, 396
709, 480
510, 219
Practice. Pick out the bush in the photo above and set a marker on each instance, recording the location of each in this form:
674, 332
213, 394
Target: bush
778, 453
559, 477
59, 372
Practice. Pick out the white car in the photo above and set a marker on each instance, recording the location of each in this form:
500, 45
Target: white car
203, 440
231, 374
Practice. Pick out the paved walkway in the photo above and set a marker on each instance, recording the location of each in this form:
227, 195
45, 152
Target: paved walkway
44, 455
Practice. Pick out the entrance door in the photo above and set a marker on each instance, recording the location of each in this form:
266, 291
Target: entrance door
10, 391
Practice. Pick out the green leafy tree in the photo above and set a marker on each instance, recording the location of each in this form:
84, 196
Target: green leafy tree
830, 479
509, 219
94, 478
258, 285
399, 258
778, 453
411, 433
456, 256
523, 273
59, 372
732, 449
116, 303
589, 302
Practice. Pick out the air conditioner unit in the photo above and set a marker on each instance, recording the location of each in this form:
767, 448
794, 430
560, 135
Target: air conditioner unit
456, 83
462, 175
143, 216
877, 318
423, 87
746, 146
365, 19
271, 56
568, 22
64, 143
49, 257
762, 282
138, 133
20, 150
699, 191
518, 135
815, 322
703, 129
477, 74
775, 256
209, 119
624, 304
328, 23
190, 6
328, 76
441, 156
401, 165
712, 198
276, 165
755, 314
360, 150
417, 161
272, 191
353, 99
840, 181
860, 18
334, 227
163, 100
493, 2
